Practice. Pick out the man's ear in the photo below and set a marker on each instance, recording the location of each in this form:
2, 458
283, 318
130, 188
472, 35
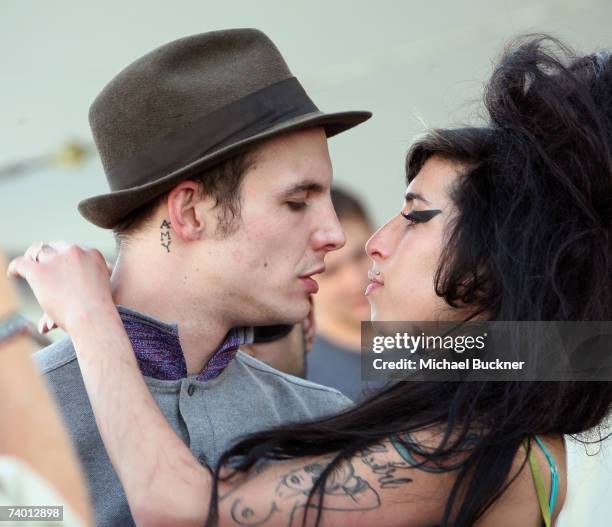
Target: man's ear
189, 210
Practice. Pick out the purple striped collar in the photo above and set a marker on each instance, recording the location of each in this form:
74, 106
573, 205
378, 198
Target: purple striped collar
158, 349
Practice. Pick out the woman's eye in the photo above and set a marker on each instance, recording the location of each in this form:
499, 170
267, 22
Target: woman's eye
296, 205
411, 219
420, 216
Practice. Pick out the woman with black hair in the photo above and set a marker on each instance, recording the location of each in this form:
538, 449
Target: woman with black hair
511, 222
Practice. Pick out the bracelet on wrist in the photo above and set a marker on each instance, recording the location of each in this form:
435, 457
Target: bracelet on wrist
13, 325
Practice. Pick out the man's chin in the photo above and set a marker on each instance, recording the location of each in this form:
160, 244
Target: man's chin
295, 312
286, 309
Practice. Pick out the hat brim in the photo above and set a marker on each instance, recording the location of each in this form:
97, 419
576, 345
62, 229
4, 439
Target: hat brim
107, 210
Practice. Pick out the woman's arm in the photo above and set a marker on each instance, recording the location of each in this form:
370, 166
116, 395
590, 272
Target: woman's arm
158, 472
161, 478
374, 487
31, 426
164, 483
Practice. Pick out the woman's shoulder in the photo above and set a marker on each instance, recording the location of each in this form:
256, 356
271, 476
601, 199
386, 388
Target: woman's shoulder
519, 504
421, 491
388, 483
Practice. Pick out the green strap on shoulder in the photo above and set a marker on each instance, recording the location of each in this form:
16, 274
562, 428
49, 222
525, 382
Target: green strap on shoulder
538, 481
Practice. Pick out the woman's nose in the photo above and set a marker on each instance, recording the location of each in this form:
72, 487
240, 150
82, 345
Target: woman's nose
378, 246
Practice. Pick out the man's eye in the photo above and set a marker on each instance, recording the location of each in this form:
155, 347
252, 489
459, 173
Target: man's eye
296, 205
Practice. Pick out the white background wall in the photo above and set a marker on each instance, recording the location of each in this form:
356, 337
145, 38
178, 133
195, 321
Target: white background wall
413, 63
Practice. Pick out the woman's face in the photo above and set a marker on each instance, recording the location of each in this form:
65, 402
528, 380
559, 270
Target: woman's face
405, 252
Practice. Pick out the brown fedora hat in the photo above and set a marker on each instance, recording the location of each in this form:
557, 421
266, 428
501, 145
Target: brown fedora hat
189, 105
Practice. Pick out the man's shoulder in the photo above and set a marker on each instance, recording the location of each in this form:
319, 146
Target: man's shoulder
288, 383
58, 355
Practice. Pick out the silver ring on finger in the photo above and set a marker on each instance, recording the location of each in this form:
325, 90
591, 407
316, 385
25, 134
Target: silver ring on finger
40, 250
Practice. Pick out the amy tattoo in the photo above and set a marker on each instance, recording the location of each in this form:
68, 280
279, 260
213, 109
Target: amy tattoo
165, 235
390, 473
344, 490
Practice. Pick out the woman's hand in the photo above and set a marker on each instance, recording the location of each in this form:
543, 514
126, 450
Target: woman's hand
68, 281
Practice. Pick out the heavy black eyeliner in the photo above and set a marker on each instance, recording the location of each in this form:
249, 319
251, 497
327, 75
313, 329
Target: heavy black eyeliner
421, 216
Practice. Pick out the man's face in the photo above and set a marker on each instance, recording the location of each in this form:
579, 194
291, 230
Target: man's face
287, 225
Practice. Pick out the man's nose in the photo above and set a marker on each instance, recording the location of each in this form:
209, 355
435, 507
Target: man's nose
330, 235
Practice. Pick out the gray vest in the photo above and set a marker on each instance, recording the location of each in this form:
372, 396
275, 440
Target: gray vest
208, 416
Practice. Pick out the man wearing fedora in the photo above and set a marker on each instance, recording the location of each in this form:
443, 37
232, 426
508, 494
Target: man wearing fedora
219, 199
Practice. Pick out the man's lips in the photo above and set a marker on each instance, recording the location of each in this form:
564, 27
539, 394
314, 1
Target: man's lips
310, 283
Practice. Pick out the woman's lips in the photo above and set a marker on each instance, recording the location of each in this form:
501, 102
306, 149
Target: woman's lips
310, 284
371, 287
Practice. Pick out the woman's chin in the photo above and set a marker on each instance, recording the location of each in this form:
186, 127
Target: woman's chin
384, 312
377, 315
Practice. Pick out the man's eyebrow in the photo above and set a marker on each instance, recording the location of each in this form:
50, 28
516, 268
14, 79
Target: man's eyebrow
306, 186
411, 196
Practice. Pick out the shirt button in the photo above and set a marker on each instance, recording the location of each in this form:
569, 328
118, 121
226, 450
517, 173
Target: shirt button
202, 459
191, 389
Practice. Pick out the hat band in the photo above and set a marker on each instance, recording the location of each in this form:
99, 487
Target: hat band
230, 124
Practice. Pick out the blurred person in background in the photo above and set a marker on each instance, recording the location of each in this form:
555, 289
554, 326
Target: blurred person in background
281, 346
285, 346
340, 304
38, 466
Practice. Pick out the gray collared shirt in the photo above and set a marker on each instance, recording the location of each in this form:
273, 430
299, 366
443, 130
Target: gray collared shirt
208, 415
